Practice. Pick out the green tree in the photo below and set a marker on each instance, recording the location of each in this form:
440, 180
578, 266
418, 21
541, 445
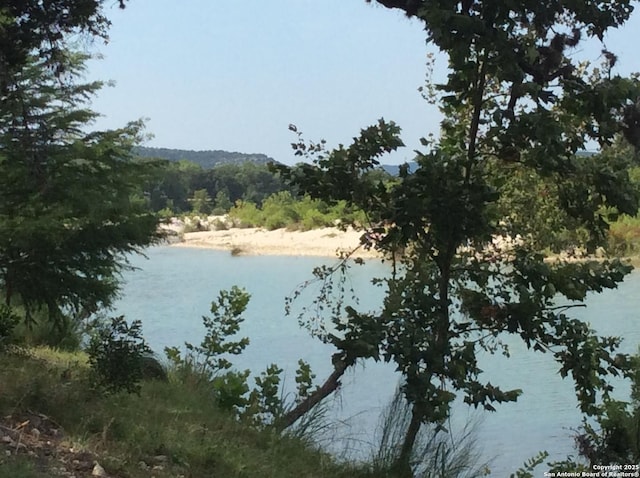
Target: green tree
28, 26
68, 209
201, 202
222, 202
469, 274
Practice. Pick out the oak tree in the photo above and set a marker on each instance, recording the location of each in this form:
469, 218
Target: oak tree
469, 270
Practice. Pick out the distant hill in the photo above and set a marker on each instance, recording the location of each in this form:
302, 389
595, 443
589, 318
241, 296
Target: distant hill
394, 170
211, 158
206, 159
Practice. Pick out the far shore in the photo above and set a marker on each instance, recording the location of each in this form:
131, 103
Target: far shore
324, 242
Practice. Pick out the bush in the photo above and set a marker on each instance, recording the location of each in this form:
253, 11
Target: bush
276, 221
208, 365
246, 214
282, 210
314, 219
64, 332
208, 359
8, 321
117, 353
624, 236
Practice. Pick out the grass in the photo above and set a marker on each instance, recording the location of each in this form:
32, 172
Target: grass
170, 421
19, 467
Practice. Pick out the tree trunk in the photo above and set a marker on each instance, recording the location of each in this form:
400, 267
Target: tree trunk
403, 463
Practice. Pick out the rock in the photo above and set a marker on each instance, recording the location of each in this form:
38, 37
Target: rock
161, 459
98, 470
35, 433
6, 439
152, 369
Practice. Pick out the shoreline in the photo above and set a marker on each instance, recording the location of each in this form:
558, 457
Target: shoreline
323, 242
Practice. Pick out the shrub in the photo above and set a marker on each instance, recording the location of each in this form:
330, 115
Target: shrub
219, 225
314, 219
64, 333
624, 236
246, 214
208, 359
276, 221
117, 354
208, 365
8, 321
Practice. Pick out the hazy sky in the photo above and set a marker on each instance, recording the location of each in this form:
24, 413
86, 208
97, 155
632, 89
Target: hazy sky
232, 75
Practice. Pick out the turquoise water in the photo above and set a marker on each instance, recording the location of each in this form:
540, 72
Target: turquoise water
173, 288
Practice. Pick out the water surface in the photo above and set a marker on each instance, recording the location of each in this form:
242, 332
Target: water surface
173, 288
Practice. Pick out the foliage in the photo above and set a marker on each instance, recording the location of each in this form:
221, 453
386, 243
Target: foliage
208, 358
183, 187
208, 366
282, 210
177, 183
205, 159
8, 321
28, 26
201, 202
436, 454
18, 467
614, 438
516, 110
126, 432
624, 236
529, 467
222, 203
66, 333
117, 354
68, 216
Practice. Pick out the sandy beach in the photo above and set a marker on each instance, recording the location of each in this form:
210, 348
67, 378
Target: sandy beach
327, 242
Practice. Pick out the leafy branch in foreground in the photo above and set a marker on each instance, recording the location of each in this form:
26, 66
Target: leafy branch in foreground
209, 365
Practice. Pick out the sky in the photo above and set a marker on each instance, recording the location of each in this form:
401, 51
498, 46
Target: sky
232, 75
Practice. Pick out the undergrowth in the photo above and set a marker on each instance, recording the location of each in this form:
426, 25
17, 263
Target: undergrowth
173, 418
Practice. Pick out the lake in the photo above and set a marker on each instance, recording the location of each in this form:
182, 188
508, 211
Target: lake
174, 287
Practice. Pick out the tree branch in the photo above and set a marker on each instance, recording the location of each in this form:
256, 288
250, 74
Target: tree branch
328, 387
